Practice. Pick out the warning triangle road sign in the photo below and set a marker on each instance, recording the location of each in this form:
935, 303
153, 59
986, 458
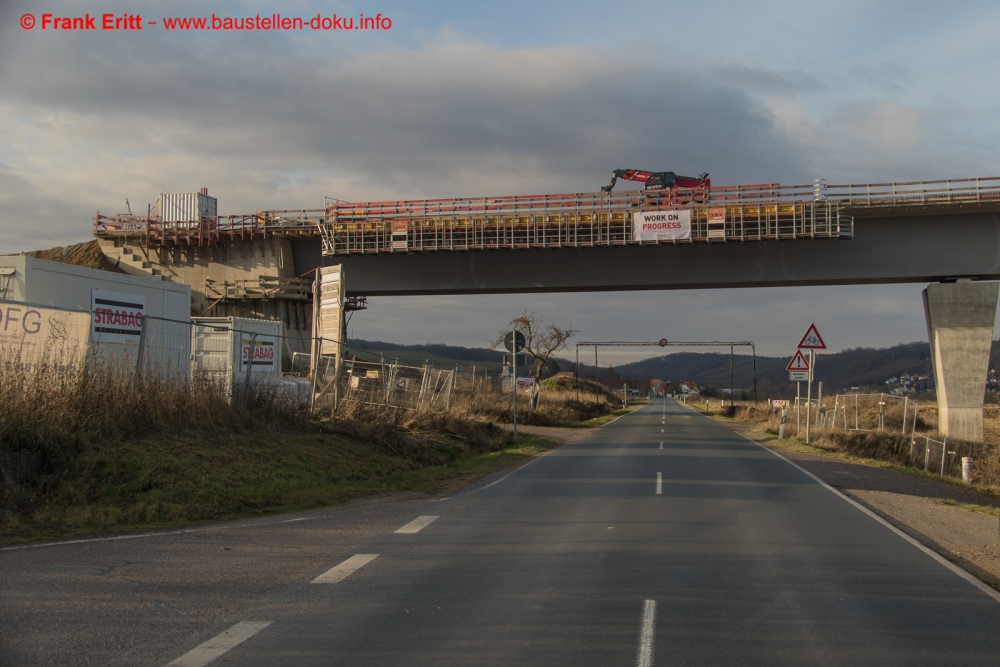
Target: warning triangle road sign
798, 362
812, 340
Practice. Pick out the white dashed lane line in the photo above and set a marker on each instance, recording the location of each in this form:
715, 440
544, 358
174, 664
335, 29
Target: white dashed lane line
644, 656
659, 484
345, 569
216, 646
417, 524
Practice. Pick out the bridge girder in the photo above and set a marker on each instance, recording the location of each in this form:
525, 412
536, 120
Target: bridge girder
893, 248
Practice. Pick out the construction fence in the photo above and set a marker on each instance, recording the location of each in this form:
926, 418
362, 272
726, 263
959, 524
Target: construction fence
887, 413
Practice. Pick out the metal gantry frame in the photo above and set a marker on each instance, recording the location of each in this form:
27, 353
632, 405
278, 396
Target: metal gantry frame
663, 342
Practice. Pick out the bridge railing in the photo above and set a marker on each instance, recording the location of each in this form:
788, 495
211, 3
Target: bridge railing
474, 225
876, 195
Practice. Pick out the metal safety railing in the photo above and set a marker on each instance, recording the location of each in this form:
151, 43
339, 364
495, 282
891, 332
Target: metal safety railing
572, 220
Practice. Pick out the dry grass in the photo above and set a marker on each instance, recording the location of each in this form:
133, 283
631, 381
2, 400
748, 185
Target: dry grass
893, 446
556, 406
49, 416
96, 449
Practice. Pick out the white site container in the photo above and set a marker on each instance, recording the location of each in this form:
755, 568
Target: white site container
166, 338
225, 349
185, 206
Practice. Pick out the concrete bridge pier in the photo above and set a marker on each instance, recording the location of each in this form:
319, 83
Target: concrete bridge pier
960, 318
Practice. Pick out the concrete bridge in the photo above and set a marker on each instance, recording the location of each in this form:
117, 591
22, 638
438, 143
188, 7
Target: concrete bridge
942, 232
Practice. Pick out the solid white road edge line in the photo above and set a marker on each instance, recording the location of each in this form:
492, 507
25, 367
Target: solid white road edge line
644, 657
659, 483
340, 572
417, 524
493, 483
216, 646
930, 552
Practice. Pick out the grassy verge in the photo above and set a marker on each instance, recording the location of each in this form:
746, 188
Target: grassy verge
169, 480
600, 420
970, 507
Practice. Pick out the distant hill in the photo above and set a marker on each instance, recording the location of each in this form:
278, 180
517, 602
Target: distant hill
857, 367
434, 353
849, 368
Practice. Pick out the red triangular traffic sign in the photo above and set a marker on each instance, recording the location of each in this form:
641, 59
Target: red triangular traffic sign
812, 340
798, 362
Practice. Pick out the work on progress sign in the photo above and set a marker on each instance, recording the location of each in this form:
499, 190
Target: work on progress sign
661, 225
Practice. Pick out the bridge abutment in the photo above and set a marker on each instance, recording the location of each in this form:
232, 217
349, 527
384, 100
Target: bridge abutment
960, 318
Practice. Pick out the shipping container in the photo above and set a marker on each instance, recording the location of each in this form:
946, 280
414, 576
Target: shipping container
36, 338
132, 318
236, 352
185, 206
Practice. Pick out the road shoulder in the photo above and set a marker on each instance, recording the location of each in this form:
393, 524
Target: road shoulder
928, 510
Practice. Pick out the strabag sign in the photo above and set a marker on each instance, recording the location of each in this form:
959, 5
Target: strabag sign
661, 225
116, 316
257, 353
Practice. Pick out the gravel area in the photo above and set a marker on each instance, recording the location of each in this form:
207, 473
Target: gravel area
969, 539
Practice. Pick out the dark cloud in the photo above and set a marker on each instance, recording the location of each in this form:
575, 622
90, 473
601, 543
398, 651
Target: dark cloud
768, 81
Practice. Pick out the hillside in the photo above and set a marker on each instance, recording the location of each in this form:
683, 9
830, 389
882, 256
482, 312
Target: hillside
849, 368
856, 367
441, 356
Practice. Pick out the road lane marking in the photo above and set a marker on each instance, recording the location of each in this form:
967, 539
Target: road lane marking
417, 524
216, 646
661, 445
662, 431
982, 586
659, 483
345, 569
644, 657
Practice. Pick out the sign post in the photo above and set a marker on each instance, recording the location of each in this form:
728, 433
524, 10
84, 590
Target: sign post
811, 341
514, 342
798, 370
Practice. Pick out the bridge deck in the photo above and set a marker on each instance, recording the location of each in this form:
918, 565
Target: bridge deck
759, 212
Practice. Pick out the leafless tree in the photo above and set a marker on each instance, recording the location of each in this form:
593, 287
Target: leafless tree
541, 340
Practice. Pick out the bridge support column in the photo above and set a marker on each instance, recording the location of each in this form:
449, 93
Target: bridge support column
960, 319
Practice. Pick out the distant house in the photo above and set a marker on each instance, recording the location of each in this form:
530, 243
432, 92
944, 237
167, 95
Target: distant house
690, 388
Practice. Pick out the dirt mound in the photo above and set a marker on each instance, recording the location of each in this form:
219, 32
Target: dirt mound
87, 254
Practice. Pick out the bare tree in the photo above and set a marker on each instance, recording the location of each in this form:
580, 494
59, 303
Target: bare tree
541, 340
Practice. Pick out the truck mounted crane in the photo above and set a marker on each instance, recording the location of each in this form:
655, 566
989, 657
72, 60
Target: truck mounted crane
659, 180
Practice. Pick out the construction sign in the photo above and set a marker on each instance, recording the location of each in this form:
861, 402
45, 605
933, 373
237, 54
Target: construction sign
661, 225
812, 340
798, 362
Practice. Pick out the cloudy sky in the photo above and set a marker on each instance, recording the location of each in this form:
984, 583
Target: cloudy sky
470, 99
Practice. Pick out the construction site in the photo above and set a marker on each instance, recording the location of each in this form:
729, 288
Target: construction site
310, 269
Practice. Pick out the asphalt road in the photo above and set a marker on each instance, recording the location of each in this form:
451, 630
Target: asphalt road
662, 539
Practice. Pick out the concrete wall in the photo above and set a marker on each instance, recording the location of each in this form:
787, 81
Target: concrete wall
960, 318
231, 261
